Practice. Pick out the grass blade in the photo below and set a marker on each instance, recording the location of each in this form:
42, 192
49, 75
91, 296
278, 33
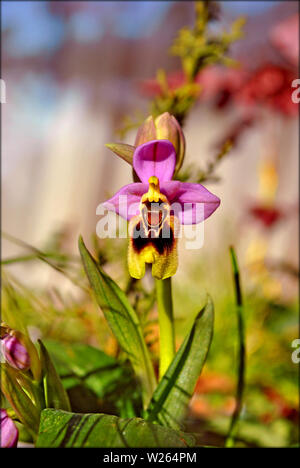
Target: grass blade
242, 352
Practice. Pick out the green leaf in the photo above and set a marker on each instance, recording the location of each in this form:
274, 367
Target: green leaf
78, 363
63, 429
95, 382
55, 394
122, 150
171, 397
23, 406
123, 321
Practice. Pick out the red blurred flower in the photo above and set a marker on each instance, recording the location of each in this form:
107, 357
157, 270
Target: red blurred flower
283, 408
267, 215
271, 86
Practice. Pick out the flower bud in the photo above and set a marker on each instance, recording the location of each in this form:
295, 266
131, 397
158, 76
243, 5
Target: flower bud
15, 353
146, 132
9, 431
164, 127
19, 351
167, 128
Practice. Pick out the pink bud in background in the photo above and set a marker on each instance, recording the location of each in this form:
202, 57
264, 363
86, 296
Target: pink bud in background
15, 353
9, 431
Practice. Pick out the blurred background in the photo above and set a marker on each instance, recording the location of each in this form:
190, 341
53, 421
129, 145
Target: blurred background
73, 72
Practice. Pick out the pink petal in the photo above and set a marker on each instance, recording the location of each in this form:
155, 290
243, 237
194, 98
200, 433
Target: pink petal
170, 189
155, 158
9, 431
15, 353
127, 200
193, 203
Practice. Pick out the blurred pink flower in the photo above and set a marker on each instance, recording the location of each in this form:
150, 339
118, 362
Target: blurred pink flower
9, 431
285, 37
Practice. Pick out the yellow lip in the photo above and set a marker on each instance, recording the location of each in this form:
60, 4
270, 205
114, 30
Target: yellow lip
153, 194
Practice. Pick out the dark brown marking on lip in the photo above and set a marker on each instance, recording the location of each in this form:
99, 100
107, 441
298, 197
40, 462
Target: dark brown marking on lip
163, 244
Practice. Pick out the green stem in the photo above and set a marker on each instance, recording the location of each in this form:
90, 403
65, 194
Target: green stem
166, 324
242, 352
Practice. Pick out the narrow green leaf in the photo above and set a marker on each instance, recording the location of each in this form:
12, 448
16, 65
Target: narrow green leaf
123, 321
62, 429
171, 397
23, 406
242, 351
122, 150
35, 364
55, 394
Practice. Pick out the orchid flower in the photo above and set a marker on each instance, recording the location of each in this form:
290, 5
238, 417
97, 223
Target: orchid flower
15, 353
9, 431
155, 208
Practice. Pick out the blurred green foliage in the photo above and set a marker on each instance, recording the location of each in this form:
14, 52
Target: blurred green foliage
270, 412
196, 48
